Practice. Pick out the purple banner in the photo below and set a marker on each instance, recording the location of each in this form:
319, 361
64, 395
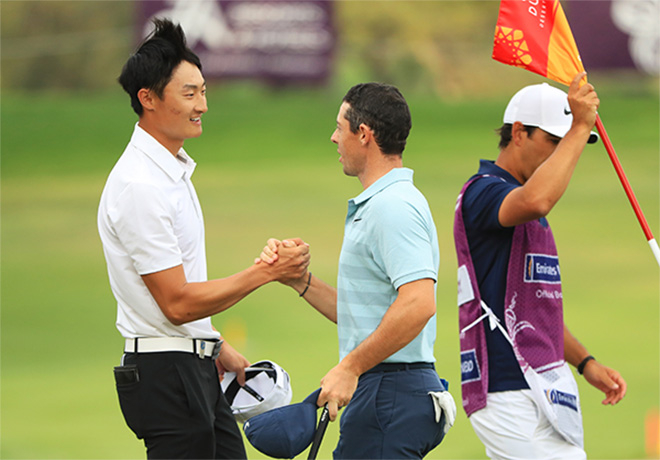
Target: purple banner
276, 40
616, 33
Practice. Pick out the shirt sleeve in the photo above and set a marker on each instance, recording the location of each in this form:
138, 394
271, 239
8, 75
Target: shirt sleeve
482, 201
404, 243
143, 221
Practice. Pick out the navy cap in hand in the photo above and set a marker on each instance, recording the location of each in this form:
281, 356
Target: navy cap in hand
286, 431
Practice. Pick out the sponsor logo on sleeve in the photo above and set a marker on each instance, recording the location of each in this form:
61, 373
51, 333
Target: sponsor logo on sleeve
469, 367
541, 268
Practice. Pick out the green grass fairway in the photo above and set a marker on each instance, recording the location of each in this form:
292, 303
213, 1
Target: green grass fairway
266, 167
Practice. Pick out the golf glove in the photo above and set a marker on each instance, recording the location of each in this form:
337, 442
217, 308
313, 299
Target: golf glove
444, 402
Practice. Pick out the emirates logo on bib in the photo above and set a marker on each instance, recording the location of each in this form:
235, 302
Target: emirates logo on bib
541, 268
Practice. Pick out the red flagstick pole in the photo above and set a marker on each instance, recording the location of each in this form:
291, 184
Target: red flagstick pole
628, 189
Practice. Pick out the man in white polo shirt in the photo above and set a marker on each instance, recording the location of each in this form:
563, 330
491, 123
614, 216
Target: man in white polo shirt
152, 229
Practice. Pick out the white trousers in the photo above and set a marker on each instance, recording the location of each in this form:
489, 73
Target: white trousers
511, 426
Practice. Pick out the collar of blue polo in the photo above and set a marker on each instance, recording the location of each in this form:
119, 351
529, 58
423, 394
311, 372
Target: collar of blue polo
395, 175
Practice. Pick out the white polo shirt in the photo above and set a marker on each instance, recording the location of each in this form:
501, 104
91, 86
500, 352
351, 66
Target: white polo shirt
150, 220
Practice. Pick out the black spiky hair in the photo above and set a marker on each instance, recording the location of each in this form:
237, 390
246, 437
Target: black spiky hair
152, 65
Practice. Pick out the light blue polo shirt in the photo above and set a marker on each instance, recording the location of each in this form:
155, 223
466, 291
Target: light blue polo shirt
389, 240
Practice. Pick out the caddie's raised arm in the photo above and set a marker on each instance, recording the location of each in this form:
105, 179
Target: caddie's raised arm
543, 162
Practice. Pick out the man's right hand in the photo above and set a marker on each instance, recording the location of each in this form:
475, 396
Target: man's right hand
269, 252
337, 389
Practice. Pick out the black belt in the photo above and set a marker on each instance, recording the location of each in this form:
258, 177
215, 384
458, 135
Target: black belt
396, 367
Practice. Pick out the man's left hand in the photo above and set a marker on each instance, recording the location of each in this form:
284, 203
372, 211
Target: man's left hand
606, 380
229, 360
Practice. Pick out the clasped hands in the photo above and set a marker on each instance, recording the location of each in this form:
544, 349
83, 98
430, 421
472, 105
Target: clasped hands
288, 259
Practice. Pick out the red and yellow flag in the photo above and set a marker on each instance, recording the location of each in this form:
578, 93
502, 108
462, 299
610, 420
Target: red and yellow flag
535, 35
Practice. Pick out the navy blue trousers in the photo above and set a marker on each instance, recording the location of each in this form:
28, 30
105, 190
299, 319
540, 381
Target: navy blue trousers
391, 416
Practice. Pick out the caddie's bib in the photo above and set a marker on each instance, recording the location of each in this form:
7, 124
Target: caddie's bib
533, 326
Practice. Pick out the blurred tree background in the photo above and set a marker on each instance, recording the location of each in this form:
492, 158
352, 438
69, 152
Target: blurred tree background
72, 45
441, 48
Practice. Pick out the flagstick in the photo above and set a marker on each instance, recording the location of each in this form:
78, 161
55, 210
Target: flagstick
626, 186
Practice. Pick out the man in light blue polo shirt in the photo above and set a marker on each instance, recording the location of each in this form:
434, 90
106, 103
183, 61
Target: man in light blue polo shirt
384, 305
389, 240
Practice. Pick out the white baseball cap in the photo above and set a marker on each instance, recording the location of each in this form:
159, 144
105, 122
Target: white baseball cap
267, 386
542, 106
